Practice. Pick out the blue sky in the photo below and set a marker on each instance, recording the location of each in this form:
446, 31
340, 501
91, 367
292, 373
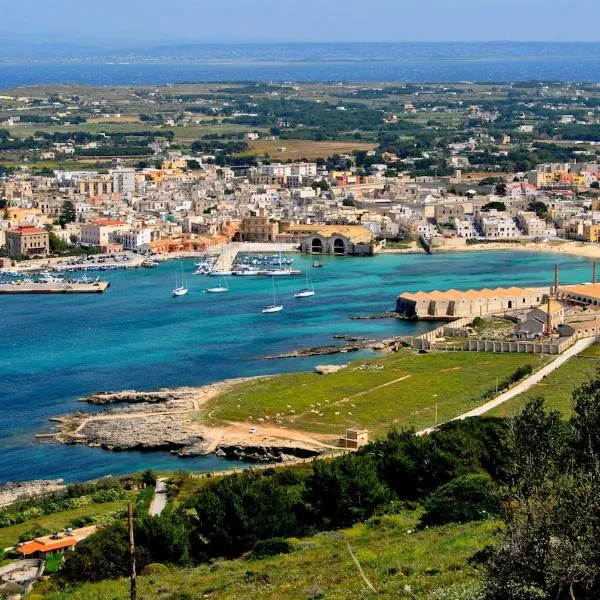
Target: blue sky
147, 22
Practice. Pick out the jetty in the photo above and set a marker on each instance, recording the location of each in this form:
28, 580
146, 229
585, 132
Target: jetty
54, 287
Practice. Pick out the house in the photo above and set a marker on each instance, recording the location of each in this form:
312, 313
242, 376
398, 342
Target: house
98, 233
66, 541
26, 240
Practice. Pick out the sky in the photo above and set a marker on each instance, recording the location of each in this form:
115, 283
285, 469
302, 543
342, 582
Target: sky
126, 23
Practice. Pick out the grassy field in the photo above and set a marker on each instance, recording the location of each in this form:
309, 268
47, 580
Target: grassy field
296, 149
404, 392
557, 387
399, 560
57, 521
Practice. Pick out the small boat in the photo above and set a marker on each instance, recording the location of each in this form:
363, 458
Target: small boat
180, 290
273, 308
308, 291
317, 264
220, 289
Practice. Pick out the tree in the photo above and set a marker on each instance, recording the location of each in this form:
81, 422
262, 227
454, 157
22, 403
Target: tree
67, 214
466, 498
501, 189
497, 205
539, 208
193, 164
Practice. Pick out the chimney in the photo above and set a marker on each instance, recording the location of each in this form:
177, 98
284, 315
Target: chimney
595, 273
556, 279
548, 319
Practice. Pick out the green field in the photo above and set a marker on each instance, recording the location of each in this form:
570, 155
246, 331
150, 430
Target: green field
557, 387
58, 521
399, 560
403, 393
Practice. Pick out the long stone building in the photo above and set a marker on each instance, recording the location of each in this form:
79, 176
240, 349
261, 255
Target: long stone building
453, 304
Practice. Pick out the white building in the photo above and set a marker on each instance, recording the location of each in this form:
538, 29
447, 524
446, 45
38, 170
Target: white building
123, 180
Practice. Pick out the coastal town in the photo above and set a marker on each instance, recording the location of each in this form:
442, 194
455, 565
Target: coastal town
357, 198
371, 411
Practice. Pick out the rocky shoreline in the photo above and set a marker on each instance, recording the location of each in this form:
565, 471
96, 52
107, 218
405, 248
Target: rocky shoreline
21, 490
173, 420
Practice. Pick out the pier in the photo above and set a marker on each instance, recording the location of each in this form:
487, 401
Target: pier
53, 287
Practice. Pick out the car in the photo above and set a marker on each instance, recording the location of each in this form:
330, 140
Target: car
252, 430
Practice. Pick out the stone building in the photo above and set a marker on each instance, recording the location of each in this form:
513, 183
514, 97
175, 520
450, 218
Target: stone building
27, 241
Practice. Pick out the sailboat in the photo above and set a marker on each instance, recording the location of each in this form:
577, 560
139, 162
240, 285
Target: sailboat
273, 308
180, 290
280, 271
219, 289
308, 291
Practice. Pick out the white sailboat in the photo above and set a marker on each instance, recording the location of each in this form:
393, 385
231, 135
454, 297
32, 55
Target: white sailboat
273, 308
219, 289
308, 291
180, 290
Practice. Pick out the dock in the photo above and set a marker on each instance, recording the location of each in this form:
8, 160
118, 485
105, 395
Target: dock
53, 287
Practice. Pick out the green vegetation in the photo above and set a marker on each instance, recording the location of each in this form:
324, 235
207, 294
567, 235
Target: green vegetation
403, 393
557, 387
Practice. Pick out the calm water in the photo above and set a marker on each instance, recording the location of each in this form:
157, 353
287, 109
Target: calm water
473, 68
57, 348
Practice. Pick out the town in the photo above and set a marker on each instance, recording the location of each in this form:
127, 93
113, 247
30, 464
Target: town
430, 167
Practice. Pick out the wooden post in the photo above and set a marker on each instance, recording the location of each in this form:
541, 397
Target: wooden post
131, 550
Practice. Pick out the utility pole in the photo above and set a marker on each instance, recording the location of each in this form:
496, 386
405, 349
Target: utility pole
133, 593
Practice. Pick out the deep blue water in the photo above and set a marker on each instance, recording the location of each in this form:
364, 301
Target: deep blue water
475, 68
55, 349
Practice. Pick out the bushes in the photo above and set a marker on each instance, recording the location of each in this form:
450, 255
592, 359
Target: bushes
272, 547
466, 498
154, 569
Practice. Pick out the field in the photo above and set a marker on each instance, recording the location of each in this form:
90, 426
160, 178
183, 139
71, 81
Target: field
399, 560
58, 521
402, 389
557, 387
296, 149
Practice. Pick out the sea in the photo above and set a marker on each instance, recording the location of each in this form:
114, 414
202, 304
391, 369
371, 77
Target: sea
342, 62
57, 348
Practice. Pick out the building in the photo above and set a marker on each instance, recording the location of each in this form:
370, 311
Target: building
98, 233
453, 304
95, 186
123, 180
258, 228
27, 241
340, 240
44, 546
355, 438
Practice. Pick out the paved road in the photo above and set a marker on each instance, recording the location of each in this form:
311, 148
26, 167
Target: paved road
526, 384
159, 501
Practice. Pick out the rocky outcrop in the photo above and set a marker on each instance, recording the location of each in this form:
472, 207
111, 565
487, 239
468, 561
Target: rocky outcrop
265, 453
11, 492
135, 397
328, 369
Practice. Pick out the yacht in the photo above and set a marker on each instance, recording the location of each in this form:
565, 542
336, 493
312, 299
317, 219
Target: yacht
180, 290
275, 307
220, 289
308, 291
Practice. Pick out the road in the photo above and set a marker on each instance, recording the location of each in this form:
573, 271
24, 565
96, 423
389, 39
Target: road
526, 384
159, 501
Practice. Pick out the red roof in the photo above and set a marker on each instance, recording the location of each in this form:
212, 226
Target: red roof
40, 546
29, 230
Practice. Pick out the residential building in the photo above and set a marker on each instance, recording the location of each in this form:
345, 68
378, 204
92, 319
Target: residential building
26, 240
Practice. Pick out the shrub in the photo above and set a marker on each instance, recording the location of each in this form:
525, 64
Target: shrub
154, 569
272, 547
467, 498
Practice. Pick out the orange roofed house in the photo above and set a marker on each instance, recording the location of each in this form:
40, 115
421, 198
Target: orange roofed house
27, 241
42, 547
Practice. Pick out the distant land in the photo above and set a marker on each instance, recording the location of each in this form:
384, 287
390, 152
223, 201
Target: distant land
31, 64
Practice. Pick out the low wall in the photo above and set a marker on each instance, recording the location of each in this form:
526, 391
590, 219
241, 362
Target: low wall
557, 347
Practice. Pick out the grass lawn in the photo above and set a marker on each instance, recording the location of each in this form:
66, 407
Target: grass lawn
419, 565
57, 521
403, 393
557, 387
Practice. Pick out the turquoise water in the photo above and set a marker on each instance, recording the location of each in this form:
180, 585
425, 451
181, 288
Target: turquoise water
55, 349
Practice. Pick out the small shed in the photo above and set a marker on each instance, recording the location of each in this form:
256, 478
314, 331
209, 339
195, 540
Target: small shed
355, 438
